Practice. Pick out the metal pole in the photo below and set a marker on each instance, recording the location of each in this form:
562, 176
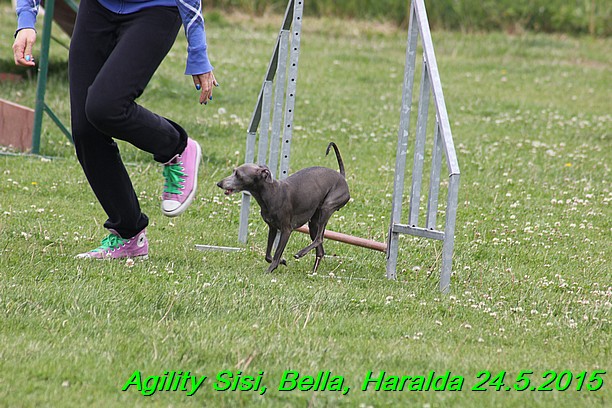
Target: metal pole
434, 180
402, 146
256, 117
348, 239
419, 149
264, 125
449, 233
279, 98
291, 88
43, 69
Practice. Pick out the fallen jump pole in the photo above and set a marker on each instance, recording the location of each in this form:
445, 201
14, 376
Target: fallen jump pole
349, 239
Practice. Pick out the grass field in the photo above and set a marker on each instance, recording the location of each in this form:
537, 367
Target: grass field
531, 288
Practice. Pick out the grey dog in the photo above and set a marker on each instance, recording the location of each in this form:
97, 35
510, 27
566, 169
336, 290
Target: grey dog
310, 195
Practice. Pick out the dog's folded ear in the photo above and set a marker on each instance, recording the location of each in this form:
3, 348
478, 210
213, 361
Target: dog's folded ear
265, 174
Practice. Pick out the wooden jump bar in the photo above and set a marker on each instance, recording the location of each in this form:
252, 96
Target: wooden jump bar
349, 239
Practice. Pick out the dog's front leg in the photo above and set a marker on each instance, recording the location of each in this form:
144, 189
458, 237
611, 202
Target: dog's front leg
272, 233
282, 243
271, 237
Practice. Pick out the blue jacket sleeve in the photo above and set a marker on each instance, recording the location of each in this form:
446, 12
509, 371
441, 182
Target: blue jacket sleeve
27, 10
197, 50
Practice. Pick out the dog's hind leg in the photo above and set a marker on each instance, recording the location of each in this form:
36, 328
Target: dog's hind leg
313, 229
320, 255
321, 223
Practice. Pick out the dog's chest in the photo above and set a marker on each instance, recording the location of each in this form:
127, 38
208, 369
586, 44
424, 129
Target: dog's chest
271, 218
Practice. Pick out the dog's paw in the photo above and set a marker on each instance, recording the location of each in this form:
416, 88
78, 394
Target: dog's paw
300, 254
274, 264
316, 264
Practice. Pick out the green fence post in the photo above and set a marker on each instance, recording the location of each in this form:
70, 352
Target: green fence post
43, 68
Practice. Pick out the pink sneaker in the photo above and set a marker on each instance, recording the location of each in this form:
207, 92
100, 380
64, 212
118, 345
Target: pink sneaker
181, 175
114, 247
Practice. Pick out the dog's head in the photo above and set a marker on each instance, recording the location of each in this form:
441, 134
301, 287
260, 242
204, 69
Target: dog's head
248, 177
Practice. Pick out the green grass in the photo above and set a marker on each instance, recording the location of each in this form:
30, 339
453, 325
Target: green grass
531, 287
562, 16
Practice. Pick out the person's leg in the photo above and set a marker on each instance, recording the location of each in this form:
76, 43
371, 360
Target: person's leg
111, 106
97, 75
93, 40
143, 39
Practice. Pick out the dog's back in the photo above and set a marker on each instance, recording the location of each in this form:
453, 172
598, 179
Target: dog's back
312, 188
318, 178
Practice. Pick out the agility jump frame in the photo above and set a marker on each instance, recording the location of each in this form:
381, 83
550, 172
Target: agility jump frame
273, 116
442, 143
284, 93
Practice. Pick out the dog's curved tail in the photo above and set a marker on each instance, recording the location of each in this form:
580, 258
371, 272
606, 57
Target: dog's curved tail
340, 162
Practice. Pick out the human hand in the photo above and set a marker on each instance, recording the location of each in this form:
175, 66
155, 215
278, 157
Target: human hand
22, 47
205, 83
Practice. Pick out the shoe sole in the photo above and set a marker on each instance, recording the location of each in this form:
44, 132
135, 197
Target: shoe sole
181, 208
108, 258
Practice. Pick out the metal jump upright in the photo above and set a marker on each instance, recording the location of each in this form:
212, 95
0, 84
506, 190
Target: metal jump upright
284, 67
430, 85
274, 112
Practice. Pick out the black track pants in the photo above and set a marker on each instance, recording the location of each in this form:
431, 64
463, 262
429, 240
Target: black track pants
112, 59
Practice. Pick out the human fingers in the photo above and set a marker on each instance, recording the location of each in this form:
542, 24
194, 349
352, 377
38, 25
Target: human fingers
22, 47
196, 82
205, 83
